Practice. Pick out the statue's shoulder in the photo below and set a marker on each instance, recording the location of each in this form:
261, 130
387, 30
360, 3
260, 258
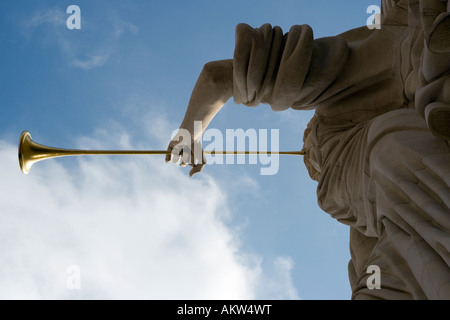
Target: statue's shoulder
394, 16
395, 12
356, 34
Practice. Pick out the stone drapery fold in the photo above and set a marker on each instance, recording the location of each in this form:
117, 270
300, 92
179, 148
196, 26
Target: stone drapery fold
284, 70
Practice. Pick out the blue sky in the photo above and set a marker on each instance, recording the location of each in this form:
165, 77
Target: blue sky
124, 81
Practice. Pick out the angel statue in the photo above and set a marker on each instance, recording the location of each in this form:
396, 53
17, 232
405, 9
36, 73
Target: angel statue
378, 143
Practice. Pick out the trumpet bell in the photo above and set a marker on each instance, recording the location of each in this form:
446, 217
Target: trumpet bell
31, 152
24, 152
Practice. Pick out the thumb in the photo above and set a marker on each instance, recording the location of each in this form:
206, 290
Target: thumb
196, 169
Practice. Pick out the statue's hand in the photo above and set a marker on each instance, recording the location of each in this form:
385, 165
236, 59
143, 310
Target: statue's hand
213, 88
185, 150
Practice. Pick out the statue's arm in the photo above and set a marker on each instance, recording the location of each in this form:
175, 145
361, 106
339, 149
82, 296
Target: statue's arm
213, 89
268, 67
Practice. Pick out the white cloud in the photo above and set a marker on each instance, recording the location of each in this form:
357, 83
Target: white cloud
50, 26
136, 227
279, 284
94, 61
121, 27
51, 16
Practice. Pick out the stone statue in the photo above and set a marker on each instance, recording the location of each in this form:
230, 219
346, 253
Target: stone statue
378, 144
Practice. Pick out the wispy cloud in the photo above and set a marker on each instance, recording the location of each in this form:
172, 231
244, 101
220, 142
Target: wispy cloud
121, 27
50, 24
279, 284
136, 227
51, 16
93, 61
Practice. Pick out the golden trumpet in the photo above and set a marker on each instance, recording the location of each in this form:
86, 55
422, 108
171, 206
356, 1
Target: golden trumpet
31, 152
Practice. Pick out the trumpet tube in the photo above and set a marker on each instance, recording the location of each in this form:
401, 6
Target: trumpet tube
31, 152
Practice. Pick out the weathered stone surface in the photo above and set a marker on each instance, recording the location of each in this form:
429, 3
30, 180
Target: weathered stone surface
378, 144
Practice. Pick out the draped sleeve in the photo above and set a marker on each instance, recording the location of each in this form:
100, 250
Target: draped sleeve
284, 70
